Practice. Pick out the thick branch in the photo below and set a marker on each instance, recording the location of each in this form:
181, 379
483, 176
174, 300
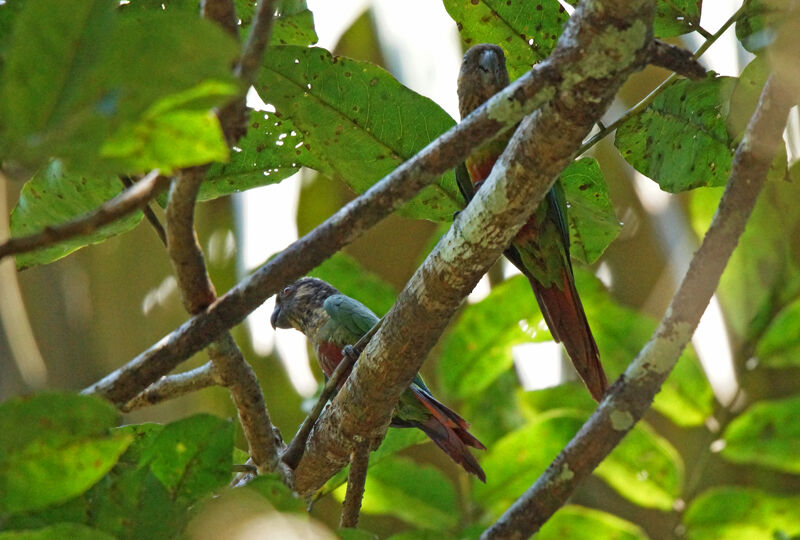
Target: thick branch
359, 463
173, 386
542, 146
631, 395
128, 201
397, 188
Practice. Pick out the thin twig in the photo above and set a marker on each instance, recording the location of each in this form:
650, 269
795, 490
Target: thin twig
173, 386
629, 397
676, 59
296, 448
120, 206
359, 463
257, 40
151, 216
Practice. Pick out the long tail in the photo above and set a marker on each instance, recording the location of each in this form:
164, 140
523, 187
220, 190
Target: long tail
564, 315
450, 433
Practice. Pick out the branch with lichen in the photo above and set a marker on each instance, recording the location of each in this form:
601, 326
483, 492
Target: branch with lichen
631, 395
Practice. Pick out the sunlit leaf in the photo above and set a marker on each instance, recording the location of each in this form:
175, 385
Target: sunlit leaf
54, 447
738, 513
680, 140
53, 197
357, 122
514, 462
477, 349
579, 523
593, 225
526, 31
779, 346
645, 469
767, 434
418, 494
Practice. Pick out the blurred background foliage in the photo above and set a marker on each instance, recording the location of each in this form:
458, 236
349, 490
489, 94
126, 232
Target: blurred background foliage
708, 461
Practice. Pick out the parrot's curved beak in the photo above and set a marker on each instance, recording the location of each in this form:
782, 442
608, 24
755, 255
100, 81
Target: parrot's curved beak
489, 61
276, 313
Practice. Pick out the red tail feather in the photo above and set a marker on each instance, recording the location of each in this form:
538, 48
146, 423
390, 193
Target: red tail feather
563, 313
449, 431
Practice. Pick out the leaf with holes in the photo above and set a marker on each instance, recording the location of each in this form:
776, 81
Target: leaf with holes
593, 225
526, 31
355, 121
676, 17
680, 140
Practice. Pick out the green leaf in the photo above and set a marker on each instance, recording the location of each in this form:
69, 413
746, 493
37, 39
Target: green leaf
355, 534
758, 26
54, 447
676, 17
68, 81
395, 441
72, 531
645, 469
53, 197
352, 279
357, 122
680, 140
422, 534
294, 29
275, 491
766, 434
779, 346
477, 349
745, 95
418, 494
593, 225
192, 457
526, 31
737, 513
579, 523
514, 462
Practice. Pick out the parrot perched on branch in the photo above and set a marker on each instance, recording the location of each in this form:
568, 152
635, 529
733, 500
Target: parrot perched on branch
541, 248
331, 321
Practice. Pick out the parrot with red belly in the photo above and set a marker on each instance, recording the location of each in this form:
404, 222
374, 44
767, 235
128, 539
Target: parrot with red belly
541, 248
330, 321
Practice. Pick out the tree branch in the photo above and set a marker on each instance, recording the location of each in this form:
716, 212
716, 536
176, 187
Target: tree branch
676, 59
257, 40
545, 143
359, 463
172, 386
148, 213
128, 201
448, 150
631, 395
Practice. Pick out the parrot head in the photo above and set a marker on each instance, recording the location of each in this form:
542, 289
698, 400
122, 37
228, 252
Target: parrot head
483, 74
298, 304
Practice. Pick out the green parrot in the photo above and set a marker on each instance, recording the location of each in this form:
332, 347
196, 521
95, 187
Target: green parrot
330, 321
541, 248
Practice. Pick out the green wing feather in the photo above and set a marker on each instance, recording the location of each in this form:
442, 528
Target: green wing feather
350, 313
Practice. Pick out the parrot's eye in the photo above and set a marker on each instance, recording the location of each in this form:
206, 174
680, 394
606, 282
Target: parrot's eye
286, 291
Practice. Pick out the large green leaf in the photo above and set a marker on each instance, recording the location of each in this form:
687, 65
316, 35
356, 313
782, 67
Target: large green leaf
779, 346
357, 122
579, 523
73, 531
767, 434
53, 197
69, 82
593, 225
526, 31
417, 494
676, 17
352, 279
644, 468
737, 513
477, 349
395, 440
54, 447
514, 462
680, 140
192, 457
